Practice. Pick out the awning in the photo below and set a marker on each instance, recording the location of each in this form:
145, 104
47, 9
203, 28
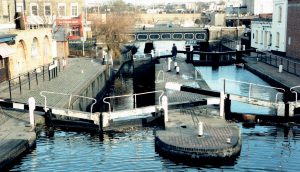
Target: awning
6, 50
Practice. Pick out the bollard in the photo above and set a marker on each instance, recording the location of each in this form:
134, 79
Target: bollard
222, 104
31, 102
105, 119
200, 129
280, 68
175, 65
165, 108
169, 64
177, 70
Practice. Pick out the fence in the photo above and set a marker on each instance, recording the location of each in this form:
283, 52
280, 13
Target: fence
288, 65
32, 78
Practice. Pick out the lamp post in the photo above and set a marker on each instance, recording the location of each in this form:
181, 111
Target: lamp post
83, 39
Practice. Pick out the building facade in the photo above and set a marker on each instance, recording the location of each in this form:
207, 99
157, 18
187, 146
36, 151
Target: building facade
293, 29
42, 29
270, 34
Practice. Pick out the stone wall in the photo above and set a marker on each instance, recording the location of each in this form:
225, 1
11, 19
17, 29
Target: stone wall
217, 33
95, 88
33, 49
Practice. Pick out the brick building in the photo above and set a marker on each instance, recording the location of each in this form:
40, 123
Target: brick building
293, 29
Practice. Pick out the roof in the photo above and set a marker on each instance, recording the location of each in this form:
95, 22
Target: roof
6, 50
7, 37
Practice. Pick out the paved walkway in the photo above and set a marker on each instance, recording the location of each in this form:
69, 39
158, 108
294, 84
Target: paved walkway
285, 78
77, 74
180, 137
15, 137
186, 77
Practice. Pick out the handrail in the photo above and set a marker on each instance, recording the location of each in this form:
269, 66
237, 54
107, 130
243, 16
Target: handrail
295, 92
70, 98
250, 85
129, 95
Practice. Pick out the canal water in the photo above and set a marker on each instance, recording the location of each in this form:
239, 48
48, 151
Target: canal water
264, 148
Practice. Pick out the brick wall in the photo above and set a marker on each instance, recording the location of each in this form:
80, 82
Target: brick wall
293, 29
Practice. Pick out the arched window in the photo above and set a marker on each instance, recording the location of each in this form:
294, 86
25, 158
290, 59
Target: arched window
34, 49
20, 63
277, 39
47, 48
279, 14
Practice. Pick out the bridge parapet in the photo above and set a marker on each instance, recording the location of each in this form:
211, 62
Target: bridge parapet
163, 34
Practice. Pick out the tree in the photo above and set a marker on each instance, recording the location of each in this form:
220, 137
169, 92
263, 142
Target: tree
112, 28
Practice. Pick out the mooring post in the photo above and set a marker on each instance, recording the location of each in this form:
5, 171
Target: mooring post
165, 108
31, 102
200, 129
177, 70
169, 64
105, 119
222, 104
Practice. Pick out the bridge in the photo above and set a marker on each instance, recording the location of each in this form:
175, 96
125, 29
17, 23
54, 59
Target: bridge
172, 33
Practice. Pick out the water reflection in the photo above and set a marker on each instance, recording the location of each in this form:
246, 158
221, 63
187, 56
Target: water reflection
265, 148
214, 79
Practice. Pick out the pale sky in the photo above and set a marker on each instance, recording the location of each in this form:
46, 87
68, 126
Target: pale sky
153, 1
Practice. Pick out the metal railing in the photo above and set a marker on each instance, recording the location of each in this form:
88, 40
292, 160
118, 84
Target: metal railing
292, 89
250, 85
134, 95
31, 78
288, 65
42, 93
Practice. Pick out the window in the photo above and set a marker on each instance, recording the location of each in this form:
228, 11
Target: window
256, 36
279, 14
277, 39
261, 37
74, 9
20, 7
61, 9
47, 9
75, 31
270, 39
34, 9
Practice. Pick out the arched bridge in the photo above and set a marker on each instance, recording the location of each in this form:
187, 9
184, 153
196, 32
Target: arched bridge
165, 34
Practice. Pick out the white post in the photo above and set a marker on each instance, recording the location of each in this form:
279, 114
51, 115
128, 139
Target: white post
169, 64
83, 48
200, 129
165, 108
177, 70
31, 102
105, 119
96, 51
222, 104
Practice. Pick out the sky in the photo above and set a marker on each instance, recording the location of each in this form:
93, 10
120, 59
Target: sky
153, 1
